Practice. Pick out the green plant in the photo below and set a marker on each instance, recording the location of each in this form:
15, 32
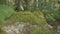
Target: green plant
51, 14
5, 12
2, 1
28, 17
2, 32
41, 19
40, 31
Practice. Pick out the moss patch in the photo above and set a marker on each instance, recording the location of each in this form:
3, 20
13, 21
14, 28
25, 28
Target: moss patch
40, 31
28, 17
2, 32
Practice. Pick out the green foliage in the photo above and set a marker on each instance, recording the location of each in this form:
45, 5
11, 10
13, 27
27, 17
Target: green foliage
28, 17
2, 1
40, 31
5, 12
51, 14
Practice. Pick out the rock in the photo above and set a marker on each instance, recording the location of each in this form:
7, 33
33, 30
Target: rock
19, 28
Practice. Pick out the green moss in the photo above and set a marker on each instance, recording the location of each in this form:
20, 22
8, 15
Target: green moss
40, 31
41, 19
28, 17
2, 32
